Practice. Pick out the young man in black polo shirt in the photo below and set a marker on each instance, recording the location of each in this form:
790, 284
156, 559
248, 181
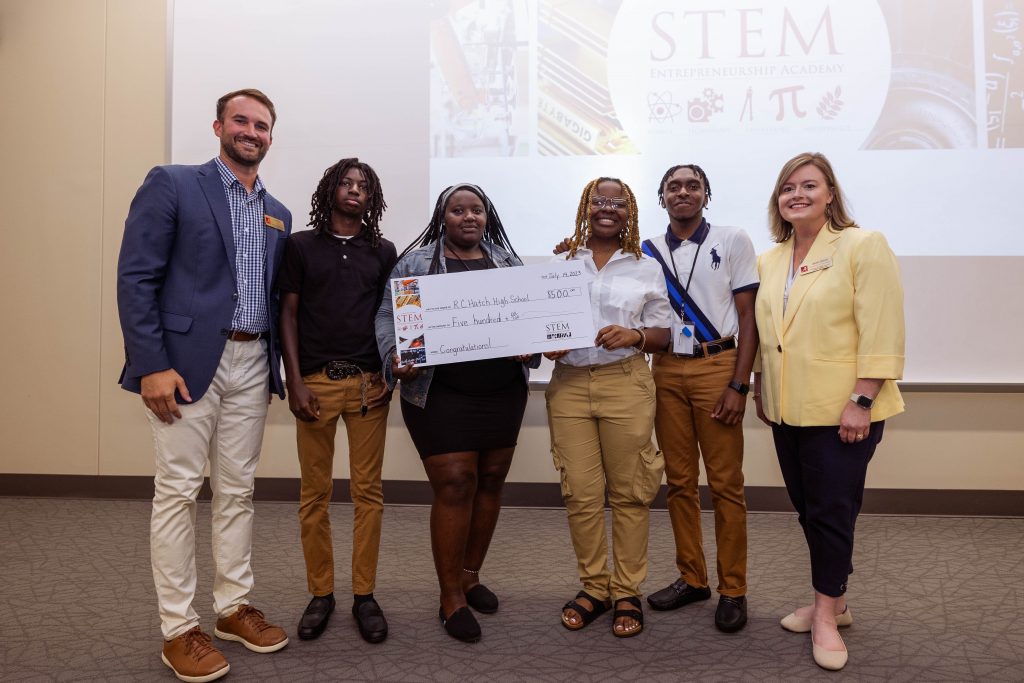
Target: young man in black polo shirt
331, 284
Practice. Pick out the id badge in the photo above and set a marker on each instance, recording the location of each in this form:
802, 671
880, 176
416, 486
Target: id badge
682, 337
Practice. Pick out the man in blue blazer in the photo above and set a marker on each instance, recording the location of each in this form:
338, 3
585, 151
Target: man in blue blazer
201, 247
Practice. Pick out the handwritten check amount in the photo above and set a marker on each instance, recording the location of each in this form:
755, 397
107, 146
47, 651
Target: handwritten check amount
492, 313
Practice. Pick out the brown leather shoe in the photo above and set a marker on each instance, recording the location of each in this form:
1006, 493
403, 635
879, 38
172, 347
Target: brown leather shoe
193, 658
249, 627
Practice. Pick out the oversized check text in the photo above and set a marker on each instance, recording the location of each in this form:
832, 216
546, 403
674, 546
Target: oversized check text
492, 313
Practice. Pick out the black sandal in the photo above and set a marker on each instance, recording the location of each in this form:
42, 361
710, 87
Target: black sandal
482, 599
636, 614
588, 615
461, 625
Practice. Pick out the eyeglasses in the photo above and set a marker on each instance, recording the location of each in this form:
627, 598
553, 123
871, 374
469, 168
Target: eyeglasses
599, 202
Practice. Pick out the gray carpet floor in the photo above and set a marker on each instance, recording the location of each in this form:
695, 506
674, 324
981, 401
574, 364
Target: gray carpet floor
936, 599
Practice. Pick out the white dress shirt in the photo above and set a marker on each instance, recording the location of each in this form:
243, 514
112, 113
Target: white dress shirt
629, 292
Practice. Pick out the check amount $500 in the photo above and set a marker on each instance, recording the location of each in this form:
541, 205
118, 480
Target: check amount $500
564, 292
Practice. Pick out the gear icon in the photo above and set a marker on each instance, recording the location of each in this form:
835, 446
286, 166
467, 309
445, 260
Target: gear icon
715, 101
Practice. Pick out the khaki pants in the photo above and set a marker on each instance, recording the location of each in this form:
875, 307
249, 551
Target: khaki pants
230, 415
601, 418
688, 389
341, 398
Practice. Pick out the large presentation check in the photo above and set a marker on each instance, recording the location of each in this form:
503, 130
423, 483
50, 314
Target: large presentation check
492, 313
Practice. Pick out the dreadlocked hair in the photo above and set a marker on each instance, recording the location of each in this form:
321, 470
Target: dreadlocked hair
629, 238
698, 171
494, 231
327, 189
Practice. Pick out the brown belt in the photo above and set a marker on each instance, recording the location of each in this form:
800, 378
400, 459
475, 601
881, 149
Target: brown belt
238, 335
711, 348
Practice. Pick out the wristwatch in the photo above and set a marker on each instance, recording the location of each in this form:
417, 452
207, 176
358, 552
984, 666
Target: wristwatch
739, 387
862, 400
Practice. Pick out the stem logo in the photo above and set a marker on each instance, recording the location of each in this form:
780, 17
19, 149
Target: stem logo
818, 68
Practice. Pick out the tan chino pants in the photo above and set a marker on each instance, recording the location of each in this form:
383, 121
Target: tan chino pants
230, 416
601, 419
688, 390
341, 399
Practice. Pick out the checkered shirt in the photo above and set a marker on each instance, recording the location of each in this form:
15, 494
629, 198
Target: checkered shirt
250, 252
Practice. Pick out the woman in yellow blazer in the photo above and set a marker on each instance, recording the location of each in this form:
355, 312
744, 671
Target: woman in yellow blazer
830, 317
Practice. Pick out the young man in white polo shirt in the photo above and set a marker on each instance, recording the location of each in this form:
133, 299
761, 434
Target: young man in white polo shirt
702, 382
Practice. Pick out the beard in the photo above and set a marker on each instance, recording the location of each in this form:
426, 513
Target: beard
243, 156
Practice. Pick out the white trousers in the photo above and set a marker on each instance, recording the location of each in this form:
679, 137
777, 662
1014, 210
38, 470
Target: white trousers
225, 429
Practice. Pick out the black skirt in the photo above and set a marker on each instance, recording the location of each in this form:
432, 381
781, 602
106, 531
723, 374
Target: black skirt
471, 406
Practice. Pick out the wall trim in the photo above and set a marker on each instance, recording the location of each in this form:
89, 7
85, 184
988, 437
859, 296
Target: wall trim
946, 502
910, 387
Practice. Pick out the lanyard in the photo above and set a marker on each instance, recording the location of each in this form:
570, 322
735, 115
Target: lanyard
693, 267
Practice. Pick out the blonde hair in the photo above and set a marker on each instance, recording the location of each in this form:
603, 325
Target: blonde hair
629, 238
835, 211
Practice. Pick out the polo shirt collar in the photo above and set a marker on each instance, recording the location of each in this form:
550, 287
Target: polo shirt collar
698, 236
229, 178
358, 239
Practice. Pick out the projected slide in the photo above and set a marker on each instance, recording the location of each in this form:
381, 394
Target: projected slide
909, 99
919, 104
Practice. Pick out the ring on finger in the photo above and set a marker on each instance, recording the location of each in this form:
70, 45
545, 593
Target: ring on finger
859, 437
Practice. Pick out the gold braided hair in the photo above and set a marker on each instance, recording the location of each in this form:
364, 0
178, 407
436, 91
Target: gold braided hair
629, 239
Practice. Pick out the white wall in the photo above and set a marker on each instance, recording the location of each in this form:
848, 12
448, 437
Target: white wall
84, 117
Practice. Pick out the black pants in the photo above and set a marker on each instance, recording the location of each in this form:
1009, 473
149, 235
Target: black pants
825, 481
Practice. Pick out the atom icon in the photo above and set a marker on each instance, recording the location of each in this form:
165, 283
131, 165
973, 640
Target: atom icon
662, 108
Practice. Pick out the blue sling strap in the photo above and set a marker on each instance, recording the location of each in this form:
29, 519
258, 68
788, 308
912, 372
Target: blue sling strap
681, 301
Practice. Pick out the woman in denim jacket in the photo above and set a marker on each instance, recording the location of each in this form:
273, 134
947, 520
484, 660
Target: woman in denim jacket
464, 418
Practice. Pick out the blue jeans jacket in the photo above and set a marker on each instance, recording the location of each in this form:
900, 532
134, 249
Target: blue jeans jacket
417, 262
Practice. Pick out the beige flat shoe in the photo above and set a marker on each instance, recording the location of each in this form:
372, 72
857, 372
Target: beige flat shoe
791, 622
832, 660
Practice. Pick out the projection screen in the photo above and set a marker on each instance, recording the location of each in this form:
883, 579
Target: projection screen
919, 105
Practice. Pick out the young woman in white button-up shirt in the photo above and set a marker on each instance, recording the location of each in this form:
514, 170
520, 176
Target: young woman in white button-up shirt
601, 409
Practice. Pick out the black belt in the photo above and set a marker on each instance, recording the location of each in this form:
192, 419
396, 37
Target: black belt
710, 348
239, 335
341, 369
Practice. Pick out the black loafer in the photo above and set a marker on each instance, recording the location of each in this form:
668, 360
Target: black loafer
731, 614
678, 594
373, 627
461, 624
482, 599
314, 619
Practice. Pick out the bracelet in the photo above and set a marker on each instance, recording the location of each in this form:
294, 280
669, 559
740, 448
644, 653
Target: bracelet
755, 395
643, 339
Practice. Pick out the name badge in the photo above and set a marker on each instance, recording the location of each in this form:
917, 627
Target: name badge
275, 223
682, 337
820, 264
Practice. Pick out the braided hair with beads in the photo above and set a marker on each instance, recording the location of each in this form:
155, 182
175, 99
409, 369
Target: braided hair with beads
326, 190
629, 238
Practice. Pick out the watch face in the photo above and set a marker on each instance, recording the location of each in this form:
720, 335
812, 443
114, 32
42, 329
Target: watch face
864, 401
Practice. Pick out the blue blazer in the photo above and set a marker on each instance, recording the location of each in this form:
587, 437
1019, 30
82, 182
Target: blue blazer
176, 288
